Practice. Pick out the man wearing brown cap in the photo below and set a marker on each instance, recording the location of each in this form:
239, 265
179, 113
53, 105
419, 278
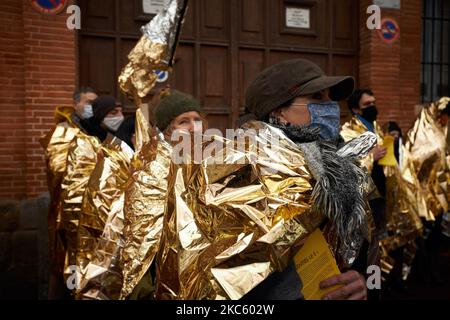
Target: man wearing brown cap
296, 97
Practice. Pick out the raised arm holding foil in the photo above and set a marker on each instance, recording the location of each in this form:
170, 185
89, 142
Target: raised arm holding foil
147, 192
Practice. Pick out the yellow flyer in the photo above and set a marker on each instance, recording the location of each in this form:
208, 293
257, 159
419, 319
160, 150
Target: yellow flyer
315, 263
389, 159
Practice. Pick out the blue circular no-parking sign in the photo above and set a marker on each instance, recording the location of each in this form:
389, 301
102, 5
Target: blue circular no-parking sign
390, 31
49, 6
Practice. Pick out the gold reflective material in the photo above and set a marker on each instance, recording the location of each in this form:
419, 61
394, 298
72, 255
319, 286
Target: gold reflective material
146, 192
144, 208
154, 51
353, 129
81, 161
228, 226
427, 146
404, 200
143, 133
136, 80
405, 203
101, 223
101, 220
56, 147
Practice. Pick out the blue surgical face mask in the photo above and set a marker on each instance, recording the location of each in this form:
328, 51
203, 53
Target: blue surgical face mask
326, 116
87, 112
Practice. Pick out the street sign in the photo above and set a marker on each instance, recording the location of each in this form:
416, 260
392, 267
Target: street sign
388, 4
51, 7
390, 30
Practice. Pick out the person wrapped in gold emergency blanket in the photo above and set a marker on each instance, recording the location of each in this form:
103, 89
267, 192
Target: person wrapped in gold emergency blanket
69, 122
231, 223
400, 202
426, 143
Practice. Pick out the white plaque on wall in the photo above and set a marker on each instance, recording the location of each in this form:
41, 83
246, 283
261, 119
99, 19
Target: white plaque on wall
154, 6
298, 18
388, 4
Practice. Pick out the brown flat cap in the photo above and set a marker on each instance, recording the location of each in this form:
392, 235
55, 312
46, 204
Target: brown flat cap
284, 81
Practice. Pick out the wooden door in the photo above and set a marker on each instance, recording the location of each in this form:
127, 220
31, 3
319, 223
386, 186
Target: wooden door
225, 43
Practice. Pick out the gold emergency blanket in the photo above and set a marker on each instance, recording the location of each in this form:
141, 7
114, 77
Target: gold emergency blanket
404, 205
102, 278
426, 144
145, 205
154, 51
354, 128
56, 147
404, 201
81, 161
102, 212
218, 228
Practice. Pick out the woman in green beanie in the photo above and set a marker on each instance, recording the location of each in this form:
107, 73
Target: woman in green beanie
178, 111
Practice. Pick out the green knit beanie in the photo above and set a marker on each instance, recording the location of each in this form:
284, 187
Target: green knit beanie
174, 105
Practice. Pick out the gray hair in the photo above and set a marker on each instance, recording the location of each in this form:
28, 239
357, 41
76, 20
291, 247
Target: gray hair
83, 90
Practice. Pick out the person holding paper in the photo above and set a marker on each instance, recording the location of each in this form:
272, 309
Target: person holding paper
296, 97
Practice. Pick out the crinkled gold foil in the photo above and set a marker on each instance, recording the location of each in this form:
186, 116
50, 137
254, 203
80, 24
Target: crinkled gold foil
353, 129
143, 133
81, 161
145, 204
155, 50
102, 199
146, 193
101, 224
402, 211
228, 226
56, 147
426, 144
102, 278
403, 201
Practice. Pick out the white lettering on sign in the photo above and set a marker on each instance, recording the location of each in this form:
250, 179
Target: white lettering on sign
388, 4
154, 6
298, 18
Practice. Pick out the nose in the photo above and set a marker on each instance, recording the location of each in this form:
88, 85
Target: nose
191, 126
196, 126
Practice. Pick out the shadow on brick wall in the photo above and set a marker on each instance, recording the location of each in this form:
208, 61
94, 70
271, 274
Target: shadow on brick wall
24, 258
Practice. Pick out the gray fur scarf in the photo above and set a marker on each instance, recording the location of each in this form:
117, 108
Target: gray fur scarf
338, 193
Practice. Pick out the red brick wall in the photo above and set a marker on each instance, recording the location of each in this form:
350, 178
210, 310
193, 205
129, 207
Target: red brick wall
12, 101
38, 72
392, 71
39, 53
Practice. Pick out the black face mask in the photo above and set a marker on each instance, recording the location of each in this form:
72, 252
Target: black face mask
370, 113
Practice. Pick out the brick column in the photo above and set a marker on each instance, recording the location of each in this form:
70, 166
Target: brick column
50, 78
12, 102
392, 71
